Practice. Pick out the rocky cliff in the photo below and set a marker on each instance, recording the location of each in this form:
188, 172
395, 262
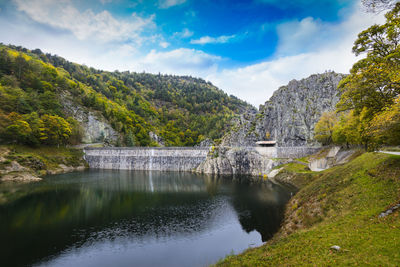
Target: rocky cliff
290, 115
96, 128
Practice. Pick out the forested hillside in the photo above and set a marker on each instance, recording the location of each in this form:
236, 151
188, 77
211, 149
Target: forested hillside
35, 87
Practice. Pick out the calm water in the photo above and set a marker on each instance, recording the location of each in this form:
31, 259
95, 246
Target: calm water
122, 218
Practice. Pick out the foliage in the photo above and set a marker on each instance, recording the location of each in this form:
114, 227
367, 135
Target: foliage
374, 81
181, 110
368, 106
39, 160
324, 128
385, 126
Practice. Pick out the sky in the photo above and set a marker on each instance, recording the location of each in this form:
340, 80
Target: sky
247, 48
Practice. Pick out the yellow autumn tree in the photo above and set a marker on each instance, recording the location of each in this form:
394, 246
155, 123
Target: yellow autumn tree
385, 126
324, 128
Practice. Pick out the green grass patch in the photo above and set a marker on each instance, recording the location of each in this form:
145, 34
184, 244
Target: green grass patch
340, 206
296, 168
303, 159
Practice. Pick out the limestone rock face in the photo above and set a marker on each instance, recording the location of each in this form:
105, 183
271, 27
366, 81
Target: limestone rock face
95, 126
290, 115
237, 161
157, 139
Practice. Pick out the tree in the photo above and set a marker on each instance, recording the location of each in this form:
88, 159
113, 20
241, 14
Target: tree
129, 139
352, 129
55, 130
267, 135
19, 131
324, 128
385, 127
77, 131
374, 82
35, 123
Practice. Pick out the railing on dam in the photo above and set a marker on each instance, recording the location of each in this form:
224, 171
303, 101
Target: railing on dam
146, 158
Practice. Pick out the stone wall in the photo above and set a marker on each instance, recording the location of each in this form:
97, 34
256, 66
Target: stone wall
146, 158
296, 152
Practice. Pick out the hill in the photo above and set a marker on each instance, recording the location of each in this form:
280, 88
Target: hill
45, 99
352, 206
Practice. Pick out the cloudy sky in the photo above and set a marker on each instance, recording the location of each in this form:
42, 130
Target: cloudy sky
247, 48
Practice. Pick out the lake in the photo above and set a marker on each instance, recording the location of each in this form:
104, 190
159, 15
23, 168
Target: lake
134, 218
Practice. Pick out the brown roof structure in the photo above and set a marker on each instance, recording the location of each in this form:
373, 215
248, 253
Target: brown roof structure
266, 143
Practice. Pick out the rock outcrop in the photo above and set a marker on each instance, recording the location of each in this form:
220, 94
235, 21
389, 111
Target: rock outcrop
237, 161
95, 127
250, 160
290, 115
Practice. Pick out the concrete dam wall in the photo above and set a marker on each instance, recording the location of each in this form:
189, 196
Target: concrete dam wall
285, 152
244, 160
146, 158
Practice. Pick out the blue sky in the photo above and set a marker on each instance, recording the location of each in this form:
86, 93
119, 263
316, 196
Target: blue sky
247, 48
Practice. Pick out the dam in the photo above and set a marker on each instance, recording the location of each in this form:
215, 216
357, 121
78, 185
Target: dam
146, 158
180, 158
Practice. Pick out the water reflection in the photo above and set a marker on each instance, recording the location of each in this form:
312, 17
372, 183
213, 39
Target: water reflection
69, 219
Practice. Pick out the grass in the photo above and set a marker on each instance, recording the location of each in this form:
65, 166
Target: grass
339, 206
296, 168
43, 158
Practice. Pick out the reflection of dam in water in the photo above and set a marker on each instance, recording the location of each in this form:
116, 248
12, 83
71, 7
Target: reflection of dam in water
150, 181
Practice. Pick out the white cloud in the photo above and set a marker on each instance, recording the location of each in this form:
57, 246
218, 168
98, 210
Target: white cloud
84, 25
185, 33
164, 44
180, 61
297, 36
213, 40
169, 3
256, 83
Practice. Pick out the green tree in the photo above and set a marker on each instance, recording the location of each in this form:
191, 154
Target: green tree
374, 81
129, 139
352, 129
324, 128
385, 127
19, 131
55, 130
77, 131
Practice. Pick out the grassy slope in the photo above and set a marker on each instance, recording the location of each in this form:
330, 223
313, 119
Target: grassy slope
41, 159
339, 207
